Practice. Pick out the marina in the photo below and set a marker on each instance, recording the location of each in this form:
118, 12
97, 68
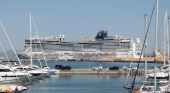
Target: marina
71, 82
82, 75
113, 57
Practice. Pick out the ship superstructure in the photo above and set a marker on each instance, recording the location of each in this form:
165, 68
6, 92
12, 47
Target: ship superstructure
93, 47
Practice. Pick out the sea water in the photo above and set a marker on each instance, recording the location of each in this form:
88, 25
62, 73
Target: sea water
84, 83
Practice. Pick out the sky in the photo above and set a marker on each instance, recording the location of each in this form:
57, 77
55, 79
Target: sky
77, 19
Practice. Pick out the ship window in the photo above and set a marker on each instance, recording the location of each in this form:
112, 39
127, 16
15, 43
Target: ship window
5, 70
19, 68
157, 77
1, 70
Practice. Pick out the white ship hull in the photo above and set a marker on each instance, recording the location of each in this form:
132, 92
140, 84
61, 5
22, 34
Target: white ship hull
99, 47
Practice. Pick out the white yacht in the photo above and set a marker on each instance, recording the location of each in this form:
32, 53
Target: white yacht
6, 74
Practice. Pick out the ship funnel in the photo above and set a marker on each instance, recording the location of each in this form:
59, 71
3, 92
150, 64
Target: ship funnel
63, 38
101, 35
60, 38
138, 40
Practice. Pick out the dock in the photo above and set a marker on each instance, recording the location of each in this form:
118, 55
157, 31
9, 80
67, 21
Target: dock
104, 72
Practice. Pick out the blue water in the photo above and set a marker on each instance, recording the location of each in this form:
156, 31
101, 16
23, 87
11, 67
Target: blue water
90, 64
83, 83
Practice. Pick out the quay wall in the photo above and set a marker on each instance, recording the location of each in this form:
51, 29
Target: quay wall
105, 71
127, 59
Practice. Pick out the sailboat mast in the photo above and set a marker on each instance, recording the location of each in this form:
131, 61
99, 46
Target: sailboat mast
6, 55
165, 28
30, 41
146, 27
156, 30
168, 25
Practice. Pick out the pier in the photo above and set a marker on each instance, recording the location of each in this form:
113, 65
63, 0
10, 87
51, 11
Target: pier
104, 71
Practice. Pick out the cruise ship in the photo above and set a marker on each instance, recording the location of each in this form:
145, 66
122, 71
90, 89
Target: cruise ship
93, 47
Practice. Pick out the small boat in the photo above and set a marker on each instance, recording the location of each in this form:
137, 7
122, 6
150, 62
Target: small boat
12, 88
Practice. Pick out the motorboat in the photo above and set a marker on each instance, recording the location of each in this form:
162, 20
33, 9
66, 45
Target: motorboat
6, 74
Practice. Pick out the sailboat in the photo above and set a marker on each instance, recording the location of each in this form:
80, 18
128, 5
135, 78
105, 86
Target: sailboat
157, 81
7, 72
36, 71
127, 86
168, 67
44, 68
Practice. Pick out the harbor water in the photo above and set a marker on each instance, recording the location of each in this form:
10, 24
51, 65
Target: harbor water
80, 83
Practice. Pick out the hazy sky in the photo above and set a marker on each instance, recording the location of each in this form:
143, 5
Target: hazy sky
77, 19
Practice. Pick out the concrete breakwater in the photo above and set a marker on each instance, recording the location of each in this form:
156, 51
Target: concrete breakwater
104, 71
